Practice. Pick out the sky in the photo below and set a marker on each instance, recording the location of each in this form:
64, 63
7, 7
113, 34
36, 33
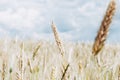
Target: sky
76, 20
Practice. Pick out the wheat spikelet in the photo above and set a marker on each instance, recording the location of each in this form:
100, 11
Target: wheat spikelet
102, 33
53, 74
57, 38
61, 49
17, 76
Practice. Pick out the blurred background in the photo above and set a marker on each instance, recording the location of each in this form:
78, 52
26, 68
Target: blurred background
76, 20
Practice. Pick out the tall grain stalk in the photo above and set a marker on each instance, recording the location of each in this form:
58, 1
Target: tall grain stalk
104, 28
61, 49
57, 38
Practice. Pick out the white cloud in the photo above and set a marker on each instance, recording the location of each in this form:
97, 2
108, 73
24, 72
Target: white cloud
20, 18
4, 1
3, 31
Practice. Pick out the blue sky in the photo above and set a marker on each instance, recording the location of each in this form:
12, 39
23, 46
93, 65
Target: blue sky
76, 20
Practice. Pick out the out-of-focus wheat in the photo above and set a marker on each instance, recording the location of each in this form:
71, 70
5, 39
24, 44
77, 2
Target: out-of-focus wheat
103, 31
80, 67
36, 50
119, 73
29, 65
4, 66
19, 74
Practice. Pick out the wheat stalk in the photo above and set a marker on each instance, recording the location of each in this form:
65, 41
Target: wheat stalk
103, 31
57, 38
61, 48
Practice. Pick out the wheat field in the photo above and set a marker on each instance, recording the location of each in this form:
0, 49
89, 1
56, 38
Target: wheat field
59, 60
23, 61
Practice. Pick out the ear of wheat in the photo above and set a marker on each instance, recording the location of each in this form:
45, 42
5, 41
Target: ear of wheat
36, 51
61, 49
57, 38
29, 65
103, 31
53, 74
